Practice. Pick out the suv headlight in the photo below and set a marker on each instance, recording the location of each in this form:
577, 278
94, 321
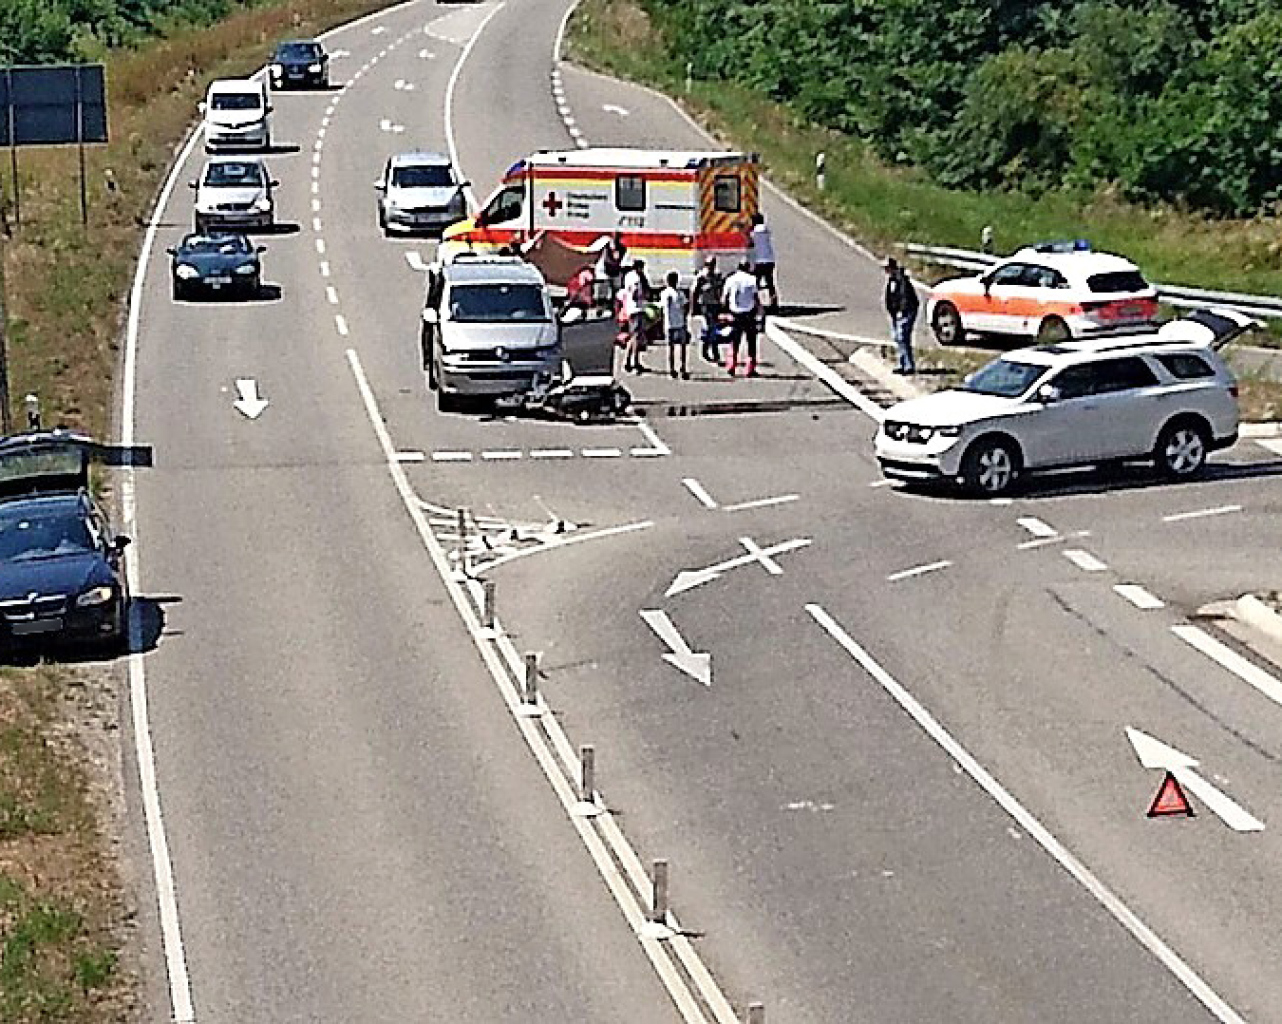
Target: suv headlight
186, 271
277, 70
96, 596
262, 204
314, 69
245, 268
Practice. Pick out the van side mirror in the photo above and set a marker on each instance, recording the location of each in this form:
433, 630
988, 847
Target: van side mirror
191, 184
431, 316
120, 543
171, 250
202, 106
274, 183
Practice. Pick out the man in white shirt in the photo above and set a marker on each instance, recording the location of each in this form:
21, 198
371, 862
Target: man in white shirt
633, 296
763, 260
740, 297
676, 325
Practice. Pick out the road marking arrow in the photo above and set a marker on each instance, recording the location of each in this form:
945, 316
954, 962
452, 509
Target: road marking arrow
1153, 753
688, 579
247, 401
695, 664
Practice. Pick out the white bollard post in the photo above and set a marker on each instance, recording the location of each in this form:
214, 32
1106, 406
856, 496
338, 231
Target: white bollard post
587, 807
530, 707
820, 168
487, 604
689, 77
32, 403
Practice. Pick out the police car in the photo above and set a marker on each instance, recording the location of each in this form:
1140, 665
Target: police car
1052, 292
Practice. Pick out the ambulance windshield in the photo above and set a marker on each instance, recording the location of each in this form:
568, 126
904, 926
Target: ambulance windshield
497, 303
504, 206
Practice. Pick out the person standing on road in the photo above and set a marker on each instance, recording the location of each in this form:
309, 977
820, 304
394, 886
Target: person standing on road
741, 299
763, 260
901, 304
610, 264
706, 300
635, 293
676, 326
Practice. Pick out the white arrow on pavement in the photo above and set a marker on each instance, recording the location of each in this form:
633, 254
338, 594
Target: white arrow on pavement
247, 401
688, 579
1153, 753
387, 126
614, 108
403, 86
695, 664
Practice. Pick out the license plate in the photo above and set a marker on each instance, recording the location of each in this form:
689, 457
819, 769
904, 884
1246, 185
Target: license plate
31, 626
217, 282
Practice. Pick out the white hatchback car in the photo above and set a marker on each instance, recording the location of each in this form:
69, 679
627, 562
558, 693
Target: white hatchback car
234, 195
1051, 292
1164, 396
237, 115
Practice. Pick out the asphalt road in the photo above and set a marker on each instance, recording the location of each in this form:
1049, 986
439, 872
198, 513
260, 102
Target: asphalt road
907, 794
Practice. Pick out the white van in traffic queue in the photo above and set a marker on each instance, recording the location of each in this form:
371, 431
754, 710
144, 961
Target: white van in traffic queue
237, 115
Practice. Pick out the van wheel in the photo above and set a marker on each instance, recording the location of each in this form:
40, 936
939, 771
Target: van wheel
445, 402
1053, 330
947, 325
1181, 449
429, 364
990, 467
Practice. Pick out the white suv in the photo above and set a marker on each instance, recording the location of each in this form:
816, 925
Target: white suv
1164, 396
237, 115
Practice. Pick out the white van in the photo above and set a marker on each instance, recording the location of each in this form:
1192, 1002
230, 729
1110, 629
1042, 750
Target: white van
237, 115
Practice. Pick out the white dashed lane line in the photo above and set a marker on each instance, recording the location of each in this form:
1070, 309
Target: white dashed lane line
340, 322
1202, 513
1138, 596
331, 293
1084, 560
320, 246
918, 570
1037, 528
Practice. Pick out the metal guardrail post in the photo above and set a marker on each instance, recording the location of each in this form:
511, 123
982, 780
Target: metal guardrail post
659, 898
756, 1013
821, 178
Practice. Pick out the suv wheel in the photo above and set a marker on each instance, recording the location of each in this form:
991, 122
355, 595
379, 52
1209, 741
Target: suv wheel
947, 325
429, 364
990, 467
1053, 330
1181, 449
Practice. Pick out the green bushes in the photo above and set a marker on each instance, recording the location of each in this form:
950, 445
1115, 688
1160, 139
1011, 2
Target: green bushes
48, 31
1174, 100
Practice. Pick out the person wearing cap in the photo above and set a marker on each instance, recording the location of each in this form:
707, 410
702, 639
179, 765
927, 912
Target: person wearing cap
705, 299
742, 300
902, 304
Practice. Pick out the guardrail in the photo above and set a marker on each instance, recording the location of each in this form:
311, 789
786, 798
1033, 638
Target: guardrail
1175, 295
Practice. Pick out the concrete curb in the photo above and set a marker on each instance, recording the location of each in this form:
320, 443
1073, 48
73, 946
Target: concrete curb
1268, 428
1251, 611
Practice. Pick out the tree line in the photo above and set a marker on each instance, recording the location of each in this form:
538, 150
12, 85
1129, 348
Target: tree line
1173, 100
51, 31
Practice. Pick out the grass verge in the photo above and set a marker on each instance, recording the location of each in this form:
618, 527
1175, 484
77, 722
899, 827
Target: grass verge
884, 205
66, 949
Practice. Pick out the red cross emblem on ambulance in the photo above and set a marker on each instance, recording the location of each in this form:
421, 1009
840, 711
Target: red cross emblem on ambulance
552, 204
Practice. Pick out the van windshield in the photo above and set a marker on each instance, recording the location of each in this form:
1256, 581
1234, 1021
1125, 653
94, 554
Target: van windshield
421, 175
497, 303
1004, 378
236, 101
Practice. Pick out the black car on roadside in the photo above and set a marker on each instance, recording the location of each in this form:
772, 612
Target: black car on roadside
218, 262
299, 62
62, 571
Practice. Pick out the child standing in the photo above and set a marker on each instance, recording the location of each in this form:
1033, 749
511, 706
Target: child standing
675, 326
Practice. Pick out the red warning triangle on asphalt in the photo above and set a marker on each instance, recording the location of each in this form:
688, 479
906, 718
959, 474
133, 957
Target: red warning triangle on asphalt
1170, 799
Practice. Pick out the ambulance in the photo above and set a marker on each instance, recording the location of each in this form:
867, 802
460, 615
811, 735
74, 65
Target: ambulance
673, 209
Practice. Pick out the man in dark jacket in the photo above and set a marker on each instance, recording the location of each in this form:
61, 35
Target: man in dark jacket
706, 300
901, 304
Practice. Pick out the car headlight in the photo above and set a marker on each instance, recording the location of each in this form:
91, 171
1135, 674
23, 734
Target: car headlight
245, 268
277, 70
314, 69
948, 431
186, 271
262, 204
95, 596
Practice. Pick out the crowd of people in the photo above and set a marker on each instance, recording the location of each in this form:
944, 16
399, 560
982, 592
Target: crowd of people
731, 308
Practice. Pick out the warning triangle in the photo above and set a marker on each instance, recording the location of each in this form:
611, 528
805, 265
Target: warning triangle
1170, 799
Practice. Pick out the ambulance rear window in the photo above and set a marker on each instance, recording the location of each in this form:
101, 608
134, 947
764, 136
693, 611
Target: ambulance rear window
629, 192
725, 193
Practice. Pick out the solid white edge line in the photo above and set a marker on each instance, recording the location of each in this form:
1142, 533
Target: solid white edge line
744, 506
1129, 920
807, 360
449, 97
179, 980
1229, 659
1201, 513
1138, 596
656, 442
530, 729
577, 538
918, 570
700, 493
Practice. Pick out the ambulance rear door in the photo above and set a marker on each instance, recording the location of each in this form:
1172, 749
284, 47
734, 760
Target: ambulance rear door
728, 198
